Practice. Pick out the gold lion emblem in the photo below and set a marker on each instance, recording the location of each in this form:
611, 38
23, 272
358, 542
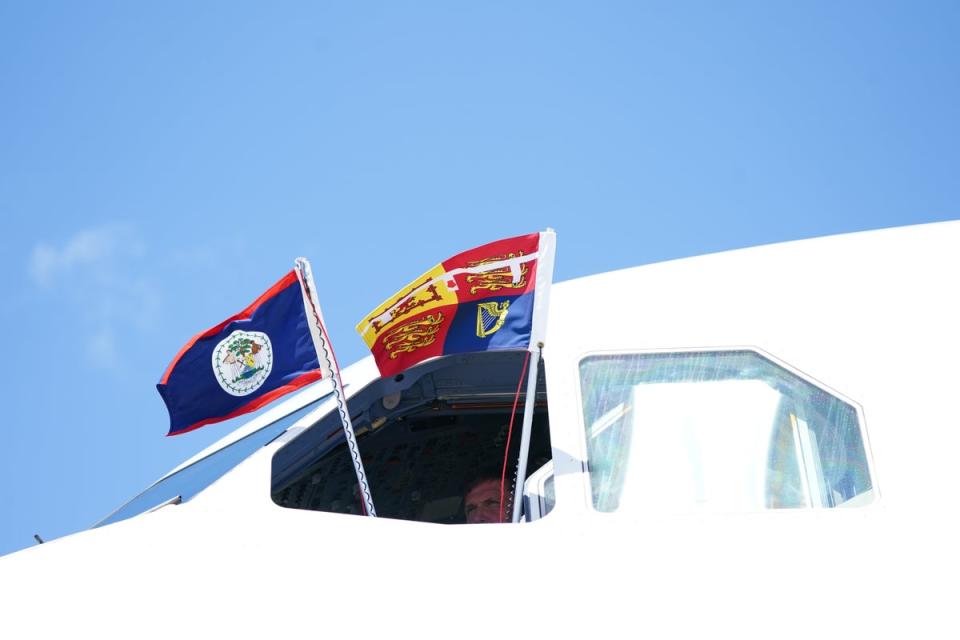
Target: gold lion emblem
497, 278
413, 335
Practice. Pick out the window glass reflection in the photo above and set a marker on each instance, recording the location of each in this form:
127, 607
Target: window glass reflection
191, 480
725, 431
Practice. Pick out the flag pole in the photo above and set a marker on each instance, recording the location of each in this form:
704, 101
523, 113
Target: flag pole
329, 366
548, 240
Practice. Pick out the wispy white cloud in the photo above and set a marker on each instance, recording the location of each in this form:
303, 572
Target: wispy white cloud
97, 274
101, 349
87, 250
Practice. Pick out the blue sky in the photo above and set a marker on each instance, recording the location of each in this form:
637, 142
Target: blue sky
161, 164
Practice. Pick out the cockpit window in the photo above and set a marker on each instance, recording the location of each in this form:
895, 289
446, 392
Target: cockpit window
425, 437
727, 430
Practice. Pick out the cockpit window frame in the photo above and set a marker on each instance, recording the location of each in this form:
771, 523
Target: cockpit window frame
876, 494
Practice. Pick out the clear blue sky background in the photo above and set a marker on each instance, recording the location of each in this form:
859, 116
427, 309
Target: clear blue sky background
162, 163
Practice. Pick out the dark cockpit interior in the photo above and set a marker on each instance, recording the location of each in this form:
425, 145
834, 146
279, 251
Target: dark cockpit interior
424, 437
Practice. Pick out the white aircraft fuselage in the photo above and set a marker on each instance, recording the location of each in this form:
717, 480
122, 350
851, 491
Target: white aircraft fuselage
693, 537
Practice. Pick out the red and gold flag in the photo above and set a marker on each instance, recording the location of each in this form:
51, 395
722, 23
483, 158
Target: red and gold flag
478, 300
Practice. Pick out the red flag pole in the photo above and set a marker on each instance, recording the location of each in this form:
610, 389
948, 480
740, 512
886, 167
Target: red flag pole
329, 366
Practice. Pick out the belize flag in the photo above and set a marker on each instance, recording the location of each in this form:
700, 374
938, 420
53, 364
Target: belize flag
250, 359
490, 297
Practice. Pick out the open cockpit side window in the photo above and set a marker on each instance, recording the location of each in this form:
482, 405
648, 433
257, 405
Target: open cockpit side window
425, 437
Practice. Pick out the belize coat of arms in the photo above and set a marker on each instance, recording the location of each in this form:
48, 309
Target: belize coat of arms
242, 362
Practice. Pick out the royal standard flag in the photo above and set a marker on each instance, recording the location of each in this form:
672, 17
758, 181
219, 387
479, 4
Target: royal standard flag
478, 300
250, 359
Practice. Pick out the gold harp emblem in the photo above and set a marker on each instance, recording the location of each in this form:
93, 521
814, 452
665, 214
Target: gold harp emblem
490, 317
498, 278
413, 335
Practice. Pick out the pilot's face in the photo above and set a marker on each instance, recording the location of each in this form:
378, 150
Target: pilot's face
482, 503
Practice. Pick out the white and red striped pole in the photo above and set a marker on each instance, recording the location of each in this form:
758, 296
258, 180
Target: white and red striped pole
329, 367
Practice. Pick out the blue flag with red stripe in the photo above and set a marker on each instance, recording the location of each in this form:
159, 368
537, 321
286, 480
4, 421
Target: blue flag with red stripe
250, 359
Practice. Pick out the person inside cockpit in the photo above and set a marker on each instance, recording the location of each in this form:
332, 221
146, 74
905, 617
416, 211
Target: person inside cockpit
481, 503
